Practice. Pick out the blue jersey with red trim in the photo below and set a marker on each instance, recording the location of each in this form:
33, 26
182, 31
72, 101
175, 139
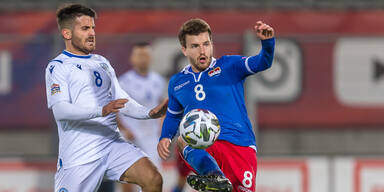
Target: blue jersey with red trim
220, 89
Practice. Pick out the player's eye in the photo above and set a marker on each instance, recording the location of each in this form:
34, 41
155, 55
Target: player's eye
194, 45
86, 28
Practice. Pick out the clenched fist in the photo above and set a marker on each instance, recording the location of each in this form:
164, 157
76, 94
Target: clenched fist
264, 31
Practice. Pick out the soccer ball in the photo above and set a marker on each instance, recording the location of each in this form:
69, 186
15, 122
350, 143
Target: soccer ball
199, 128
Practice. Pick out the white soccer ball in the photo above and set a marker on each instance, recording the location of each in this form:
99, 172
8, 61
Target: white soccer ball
199, 128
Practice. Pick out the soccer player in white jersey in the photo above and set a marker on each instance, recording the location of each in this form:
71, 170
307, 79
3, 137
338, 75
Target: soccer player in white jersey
84, 95
146, 87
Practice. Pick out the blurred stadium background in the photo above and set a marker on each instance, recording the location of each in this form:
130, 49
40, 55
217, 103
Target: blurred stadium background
318, 112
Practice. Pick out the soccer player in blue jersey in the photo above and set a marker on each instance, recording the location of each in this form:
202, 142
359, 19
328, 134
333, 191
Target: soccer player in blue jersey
217, 85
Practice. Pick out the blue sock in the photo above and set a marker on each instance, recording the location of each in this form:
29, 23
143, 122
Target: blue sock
201, 161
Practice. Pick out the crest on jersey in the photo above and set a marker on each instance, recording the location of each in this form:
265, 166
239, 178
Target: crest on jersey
214, 71
104, 66
55, 88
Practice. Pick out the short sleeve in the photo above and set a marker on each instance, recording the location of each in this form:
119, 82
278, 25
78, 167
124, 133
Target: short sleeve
56, 83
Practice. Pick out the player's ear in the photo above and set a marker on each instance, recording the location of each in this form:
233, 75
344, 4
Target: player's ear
183, 49
66, 33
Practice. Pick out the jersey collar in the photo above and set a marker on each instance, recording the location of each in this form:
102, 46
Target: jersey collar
67, 53
188, 69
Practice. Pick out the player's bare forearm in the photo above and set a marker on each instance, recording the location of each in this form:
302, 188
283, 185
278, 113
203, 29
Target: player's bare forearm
159, 110
264, 31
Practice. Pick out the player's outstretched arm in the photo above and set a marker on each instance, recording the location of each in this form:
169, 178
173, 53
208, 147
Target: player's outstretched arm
67, 111
263, 60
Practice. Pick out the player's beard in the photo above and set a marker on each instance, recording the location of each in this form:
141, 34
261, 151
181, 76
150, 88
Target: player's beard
195, 62
81, 45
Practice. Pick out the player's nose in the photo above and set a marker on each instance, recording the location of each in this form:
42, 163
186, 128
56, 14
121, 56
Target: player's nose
202, 50
92, 32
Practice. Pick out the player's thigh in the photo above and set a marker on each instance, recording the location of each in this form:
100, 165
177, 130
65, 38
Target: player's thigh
80, 178
239, 165
143, 172
127, 163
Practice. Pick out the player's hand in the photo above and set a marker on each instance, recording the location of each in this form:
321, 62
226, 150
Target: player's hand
114, 106
163, 148
159, 110
264, 31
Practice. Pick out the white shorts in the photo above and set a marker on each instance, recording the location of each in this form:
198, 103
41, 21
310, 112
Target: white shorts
87, 177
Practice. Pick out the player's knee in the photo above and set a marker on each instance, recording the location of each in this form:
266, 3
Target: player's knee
154, 182
181, 144
157, 180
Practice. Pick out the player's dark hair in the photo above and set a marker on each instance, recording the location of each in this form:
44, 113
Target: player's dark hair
66, 14
193, 27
